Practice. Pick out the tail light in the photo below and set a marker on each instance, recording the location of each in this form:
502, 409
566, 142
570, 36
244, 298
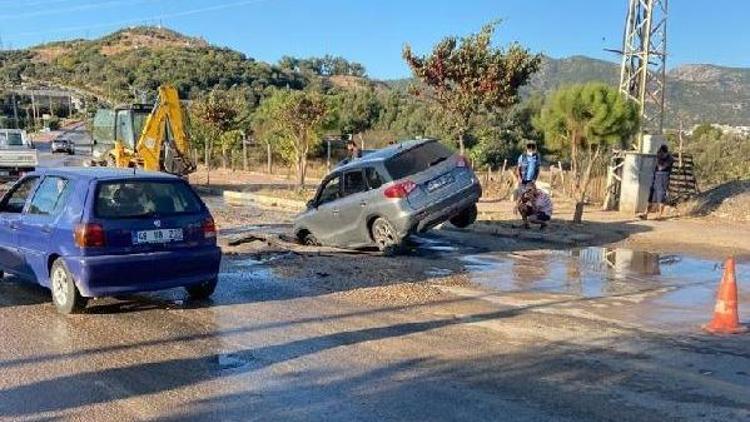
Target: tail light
400, 189
89, 236
209, 228
461, 161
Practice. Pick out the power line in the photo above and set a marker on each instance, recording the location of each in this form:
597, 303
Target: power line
71, 9
139, 20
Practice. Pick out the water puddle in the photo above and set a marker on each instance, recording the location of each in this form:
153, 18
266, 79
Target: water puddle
666, 288
433, 244
230, 361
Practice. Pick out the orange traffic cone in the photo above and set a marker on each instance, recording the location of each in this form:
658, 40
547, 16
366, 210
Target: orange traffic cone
726, 319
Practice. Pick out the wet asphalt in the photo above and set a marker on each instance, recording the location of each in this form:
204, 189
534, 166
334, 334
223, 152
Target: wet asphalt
271, 345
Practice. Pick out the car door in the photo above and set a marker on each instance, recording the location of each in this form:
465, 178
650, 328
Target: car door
323, 220
352, 207
37, 225
11, 209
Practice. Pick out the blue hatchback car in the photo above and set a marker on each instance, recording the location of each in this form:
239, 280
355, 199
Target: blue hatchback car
92, 232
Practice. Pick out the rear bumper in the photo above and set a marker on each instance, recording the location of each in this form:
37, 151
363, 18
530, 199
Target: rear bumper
108, 275
442, 211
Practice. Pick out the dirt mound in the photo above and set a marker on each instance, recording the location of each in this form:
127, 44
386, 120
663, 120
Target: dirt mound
730, 200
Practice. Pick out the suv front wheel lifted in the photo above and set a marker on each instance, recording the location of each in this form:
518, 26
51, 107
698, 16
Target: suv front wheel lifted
465, 218
65, 294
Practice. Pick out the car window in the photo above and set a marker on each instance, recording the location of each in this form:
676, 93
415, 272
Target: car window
354, 182
16, 199
49, 196
133, 199
417, 159
374, 179
331, 191
11, 139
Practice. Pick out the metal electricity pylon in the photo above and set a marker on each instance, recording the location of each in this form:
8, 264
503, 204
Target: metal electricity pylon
644, 56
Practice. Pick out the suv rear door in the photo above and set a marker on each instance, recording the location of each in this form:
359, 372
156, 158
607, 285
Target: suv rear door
352, 208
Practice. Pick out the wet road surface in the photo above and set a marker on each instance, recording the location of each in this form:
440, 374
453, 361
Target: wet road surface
463, 327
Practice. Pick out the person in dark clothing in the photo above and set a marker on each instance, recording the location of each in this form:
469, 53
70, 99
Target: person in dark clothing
660, 184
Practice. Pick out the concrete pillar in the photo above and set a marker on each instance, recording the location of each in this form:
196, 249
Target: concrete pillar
652, 143
637, 177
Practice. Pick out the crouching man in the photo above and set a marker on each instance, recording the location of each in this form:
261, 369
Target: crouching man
535, 206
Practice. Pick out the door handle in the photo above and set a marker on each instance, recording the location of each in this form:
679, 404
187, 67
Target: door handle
335, 211
363, 204
14, 225
47, 229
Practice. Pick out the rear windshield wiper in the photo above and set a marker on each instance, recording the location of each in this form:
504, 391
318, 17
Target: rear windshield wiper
437, 161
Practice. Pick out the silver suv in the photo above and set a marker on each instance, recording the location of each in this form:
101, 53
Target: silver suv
383, 197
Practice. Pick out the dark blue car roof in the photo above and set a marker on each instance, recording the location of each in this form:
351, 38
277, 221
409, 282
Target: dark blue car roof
103, 173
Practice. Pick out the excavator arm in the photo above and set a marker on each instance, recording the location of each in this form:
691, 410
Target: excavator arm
163, 144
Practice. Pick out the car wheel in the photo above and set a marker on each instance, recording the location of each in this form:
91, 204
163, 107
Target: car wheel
202, 291
308, 239
465, 218
384, 236
65, 294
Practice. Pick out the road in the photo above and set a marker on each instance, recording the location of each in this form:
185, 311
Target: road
82, 140
461, 327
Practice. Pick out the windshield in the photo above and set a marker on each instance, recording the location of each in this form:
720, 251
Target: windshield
417, 159
139, 120
11, 139
133, 199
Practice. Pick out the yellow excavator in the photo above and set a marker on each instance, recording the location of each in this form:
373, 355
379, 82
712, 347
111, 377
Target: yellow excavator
151, 137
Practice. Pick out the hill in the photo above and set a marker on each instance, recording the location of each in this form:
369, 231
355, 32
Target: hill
140, 59
695, 93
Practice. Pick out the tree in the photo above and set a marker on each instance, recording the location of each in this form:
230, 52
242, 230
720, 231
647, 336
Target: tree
583, 122
467, 75
357, 111
294, 119
218, 119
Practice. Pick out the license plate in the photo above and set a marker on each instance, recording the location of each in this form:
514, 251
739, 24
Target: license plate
439, 182
157, 236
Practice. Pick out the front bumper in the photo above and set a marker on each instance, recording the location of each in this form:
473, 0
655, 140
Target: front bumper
108, 275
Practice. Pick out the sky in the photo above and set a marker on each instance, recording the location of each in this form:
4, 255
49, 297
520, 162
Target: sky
373, 32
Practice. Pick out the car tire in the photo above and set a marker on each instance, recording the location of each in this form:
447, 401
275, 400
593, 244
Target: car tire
385, 238
65, 294
465, 218
202, 291
308, 239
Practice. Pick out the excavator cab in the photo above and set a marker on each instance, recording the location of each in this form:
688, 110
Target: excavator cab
129, 123
151, 137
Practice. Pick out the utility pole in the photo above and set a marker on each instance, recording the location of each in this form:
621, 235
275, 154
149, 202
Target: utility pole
643, 72
15, 109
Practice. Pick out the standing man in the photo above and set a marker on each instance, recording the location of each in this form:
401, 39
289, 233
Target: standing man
528, 165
